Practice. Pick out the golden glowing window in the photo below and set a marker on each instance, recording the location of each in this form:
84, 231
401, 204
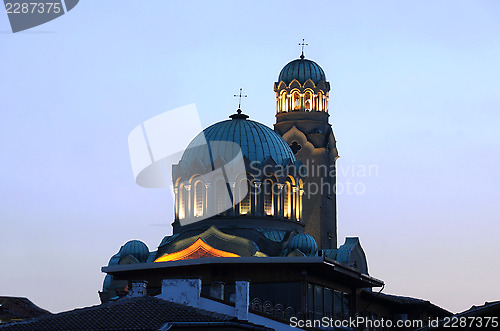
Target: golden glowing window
182, 204
284, 102
244, 191
307, 101
198, 198
298, 199
268, 197
296, 101
287, 195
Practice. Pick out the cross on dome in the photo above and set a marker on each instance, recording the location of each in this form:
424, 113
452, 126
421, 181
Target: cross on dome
239, 102
302, 45
239, 115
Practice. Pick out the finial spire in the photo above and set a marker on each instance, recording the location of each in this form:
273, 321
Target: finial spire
239, 115
302, 45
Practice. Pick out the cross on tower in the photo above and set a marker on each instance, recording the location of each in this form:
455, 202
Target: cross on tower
302, 45
239, 102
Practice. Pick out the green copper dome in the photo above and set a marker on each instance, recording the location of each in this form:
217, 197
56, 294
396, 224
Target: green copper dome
304, 243
137, 249
257, 142
302, 70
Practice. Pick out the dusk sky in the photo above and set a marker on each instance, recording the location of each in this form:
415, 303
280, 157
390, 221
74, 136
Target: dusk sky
414, 94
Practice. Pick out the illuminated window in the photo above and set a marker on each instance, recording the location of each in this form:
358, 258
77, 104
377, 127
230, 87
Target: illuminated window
287, 194
268, 197
308, 101
221, 196
296, 101
298, 201
244, 191
284, 102
320, 101
198, 198
181, 200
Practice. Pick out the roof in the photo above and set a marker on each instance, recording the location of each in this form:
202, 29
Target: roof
143, 313
257, 142
488, 310
407, 301
488, 307
19, 308
319, 264
301, 70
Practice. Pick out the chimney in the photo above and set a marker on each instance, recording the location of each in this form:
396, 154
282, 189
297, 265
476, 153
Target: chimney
182, 291
242, 299
139, 289
217, 290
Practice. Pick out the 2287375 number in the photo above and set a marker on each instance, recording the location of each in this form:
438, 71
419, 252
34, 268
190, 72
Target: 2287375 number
470, 322
33, 8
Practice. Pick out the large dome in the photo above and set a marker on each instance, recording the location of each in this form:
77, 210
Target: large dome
301, 70
257, 142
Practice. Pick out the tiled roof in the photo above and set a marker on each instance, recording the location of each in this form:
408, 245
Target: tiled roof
19, 308
401, 300
144, 313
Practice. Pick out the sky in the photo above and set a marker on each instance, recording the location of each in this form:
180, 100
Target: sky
415, 95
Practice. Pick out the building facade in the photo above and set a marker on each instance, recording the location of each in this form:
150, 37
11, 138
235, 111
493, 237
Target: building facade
244, 211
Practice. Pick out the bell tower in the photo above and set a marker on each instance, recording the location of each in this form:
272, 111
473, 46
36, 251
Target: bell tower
302, 119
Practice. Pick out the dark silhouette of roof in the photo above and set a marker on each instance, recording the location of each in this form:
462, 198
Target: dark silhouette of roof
143, 313
405, 301
15, 308
477, 314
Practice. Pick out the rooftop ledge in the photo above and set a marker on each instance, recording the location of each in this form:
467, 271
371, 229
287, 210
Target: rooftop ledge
326, 264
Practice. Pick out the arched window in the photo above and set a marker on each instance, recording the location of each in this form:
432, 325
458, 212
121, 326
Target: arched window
298, 199
284, 102
199, 191
287, 198
182, 201
244, 194
296, 101
307, 101
222, 196
268, 197
320, 101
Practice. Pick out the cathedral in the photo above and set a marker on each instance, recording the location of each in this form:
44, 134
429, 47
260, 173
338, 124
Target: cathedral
259, 204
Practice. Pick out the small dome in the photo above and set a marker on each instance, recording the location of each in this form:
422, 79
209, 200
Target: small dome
137, 249
106, 284
304, 243
302, 70
257, 142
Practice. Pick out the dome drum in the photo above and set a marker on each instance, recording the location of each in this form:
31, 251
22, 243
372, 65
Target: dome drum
210, 182
268, 191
